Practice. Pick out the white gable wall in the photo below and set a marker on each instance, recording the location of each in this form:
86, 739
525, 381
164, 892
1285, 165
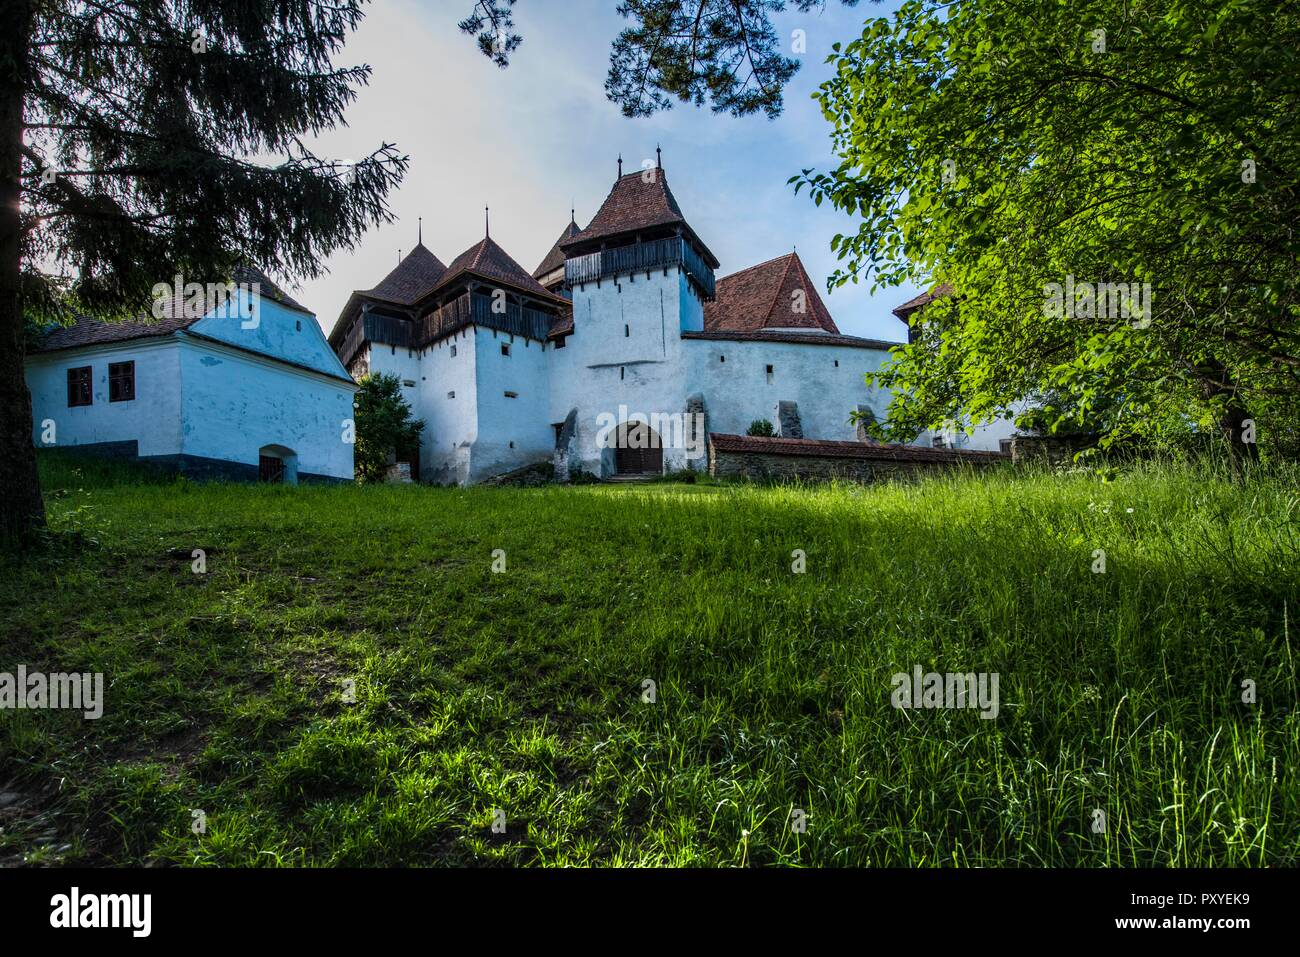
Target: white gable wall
274, 330
152, 419
234, 403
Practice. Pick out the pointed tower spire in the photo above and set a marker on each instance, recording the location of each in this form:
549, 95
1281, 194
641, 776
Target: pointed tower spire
620, 165
487, 223
399, 256
419, 235
659, 157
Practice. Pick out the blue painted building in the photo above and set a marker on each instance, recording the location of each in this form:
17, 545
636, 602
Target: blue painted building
231, 381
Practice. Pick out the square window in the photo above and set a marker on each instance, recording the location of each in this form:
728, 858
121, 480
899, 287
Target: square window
451, 395
79, 391
121, 381
505, 349
453, 352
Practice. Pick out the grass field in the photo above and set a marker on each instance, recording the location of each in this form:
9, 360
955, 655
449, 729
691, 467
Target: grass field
522, 691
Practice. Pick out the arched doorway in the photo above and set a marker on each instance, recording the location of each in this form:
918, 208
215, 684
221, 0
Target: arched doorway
276, 464
637, 450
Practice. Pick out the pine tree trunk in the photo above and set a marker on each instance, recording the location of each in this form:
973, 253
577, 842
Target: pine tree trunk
21, 509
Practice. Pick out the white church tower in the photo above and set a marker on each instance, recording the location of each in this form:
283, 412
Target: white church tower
639, 277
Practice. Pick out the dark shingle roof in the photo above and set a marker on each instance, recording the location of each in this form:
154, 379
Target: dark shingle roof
486, 260
555, 258
763, 297
775, 445
412, 278
177, 314
562, 326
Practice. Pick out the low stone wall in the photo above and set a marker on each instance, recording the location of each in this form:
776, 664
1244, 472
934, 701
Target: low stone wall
777, 458
1052, 449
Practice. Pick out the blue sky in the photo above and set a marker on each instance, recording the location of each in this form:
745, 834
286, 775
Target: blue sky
531, 140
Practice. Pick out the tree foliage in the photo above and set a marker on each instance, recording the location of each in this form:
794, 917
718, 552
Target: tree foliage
1003, 147
722, 52
384, 426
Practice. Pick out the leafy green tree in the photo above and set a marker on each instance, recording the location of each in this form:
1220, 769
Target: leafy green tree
760, 427
1006, 147
384, 427
130, 138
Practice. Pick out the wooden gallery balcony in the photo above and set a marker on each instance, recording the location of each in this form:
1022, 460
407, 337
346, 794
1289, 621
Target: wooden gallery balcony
638, 257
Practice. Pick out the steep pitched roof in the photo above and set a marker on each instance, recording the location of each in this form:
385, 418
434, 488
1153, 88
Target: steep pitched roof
637, 201
486, 260
178, 313
764, 297
920, 302
413, 277
555, 258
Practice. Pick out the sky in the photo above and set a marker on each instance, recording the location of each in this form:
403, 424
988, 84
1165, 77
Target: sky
532, 140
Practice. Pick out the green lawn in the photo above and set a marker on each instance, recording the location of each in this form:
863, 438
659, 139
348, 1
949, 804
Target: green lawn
522, 691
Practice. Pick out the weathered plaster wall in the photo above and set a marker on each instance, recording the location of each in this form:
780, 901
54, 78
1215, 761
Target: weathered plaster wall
737, 391
626, 350
152, 418
233, 403
450, 421
512, 432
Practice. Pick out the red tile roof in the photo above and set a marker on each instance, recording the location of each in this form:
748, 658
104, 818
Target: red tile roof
176, 312
766, 296
411, 279
639, 201
486, 260
555, 258
920, 302
775, 445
